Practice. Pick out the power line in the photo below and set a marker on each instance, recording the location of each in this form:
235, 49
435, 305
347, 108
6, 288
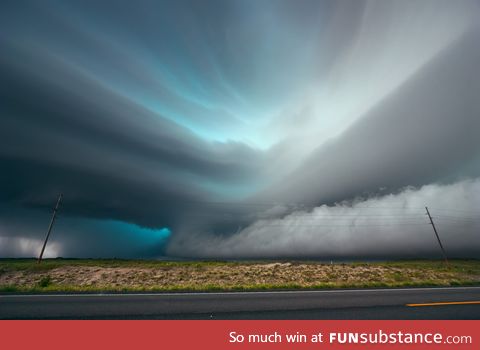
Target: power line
458, 217
352, 225
355, 216
457, 210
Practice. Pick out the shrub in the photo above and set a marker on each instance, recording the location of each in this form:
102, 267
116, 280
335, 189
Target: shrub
45, 281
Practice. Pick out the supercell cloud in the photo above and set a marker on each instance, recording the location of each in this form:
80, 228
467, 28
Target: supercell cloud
231, 129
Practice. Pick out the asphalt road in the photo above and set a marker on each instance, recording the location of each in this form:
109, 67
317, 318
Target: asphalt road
462, 303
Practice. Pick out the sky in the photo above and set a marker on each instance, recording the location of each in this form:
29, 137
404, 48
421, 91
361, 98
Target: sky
240, 129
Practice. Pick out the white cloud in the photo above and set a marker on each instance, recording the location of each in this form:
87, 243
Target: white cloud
387, 226
23, 247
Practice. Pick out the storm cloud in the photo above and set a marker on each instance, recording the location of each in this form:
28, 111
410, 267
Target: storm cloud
394, 225
225, 128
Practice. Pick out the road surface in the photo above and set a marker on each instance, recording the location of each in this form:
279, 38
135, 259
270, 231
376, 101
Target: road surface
408, 303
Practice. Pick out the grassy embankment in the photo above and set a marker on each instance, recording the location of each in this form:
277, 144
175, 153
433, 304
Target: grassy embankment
89, 275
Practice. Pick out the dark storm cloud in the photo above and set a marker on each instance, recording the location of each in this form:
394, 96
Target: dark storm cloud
220, 119
110, 157
73, 236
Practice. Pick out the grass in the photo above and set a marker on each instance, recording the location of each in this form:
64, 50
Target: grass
116, 275
29, 264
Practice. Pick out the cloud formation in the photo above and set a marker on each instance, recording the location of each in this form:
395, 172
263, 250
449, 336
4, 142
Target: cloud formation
394, 225
204, 120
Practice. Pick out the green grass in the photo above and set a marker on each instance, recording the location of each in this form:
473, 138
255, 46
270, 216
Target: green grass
219, 288
29, 264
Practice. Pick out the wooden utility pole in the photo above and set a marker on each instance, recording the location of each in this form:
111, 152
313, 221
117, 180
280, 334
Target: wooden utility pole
438, 237
50, 228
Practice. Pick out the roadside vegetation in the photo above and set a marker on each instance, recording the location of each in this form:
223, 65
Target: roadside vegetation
114, 275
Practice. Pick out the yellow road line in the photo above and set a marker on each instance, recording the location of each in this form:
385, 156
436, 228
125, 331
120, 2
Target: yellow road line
447, 303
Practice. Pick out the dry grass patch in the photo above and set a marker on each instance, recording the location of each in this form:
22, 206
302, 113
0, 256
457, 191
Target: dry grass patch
125, 275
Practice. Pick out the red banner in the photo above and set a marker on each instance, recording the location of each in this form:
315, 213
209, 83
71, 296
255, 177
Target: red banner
236, 335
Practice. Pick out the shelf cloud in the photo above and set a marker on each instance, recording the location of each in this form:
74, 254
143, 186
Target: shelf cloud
231, 128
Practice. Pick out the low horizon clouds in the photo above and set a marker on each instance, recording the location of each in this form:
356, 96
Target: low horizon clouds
389, 226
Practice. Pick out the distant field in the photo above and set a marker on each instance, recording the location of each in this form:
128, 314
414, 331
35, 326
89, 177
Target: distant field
88, 275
